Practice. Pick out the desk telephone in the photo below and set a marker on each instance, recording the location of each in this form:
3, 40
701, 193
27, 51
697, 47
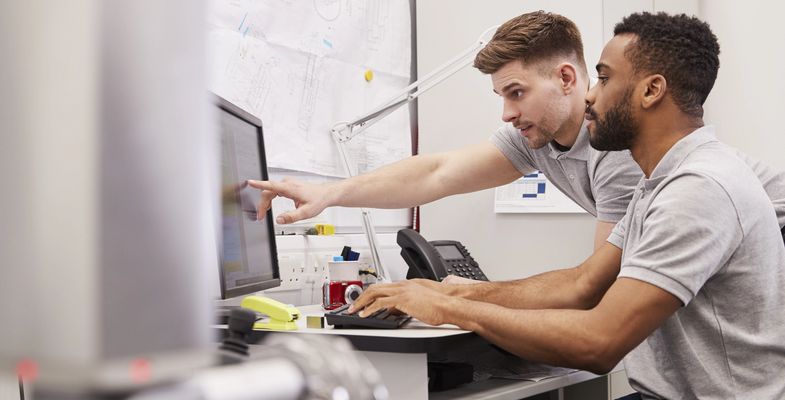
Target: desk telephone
431, 260
436, 259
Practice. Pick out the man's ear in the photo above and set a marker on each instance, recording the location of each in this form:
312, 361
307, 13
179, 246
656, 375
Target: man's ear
568, 77
654, 89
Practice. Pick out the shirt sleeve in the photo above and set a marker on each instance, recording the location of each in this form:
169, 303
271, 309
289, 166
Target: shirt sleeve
690, 231
615, 177
512, 145
616, 237
773, 182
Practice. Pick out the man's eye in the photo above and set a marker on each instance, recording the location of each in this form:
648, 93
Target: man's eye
516, 94
603, 79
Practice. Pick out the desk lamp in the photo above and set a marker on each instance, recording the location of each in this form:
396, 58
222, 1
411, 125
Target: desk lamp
344, 131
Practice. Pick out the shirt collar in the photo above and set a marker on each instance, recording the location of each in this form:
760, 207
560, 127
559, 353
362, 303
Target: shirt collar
578, 151
677, 153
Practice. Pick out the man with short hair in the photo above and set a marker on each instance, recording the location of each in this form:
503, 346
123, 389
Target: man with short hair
690, 288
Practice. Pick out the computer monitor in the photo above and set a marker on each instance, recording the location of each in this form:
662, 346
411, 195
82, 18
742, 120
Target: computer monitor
248, 256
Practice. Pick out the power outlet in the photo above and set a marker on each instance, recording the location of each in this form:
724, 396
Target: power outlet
317, 264
292, 268
303, 261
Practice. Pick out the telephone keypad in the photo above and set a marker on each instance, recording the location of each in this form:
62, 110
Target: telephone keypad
466, 267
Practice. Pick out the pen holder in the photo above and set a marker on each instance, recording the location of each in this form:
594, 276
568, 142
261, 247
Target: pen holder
343, 270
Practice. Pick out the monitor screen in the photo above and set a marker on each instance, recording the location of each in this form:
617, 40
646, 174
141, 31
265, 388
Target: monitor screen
249, 261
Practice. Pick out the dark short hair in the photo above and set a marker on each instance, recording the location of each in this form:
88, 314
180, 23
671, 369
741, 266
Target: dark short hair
531, 37
679, 47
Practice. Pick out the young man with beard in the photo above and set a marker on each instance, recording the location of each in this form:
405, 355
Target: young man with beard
690, 288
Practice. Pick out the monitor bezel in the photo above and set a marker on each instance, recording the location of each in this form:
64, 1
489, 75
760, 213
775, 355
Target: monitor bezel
236, 111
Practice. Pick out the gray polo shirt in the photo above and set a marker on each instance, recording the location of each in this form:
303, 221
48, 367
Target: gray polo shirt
703, 229
773, 182
600, 182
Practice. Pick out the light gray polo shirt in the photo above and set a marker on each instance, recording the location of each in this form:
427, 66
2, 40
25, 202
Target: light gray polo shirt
773, 182
703, 229
600, 182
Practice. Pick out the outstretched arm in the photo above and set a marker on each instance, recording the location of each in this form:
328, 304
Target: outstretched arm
414, 181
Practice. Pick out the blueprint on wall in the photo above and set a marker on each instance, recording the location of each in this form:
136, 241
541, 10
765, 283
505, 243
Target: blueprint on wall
300, 66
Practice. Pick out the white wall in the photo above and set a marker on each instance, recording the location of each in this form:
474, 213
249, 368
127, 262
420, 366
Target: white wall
463, 110
748, 99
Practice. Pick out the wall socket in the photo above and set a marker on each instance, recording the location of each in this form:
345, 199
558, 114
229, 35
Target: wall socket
302, 261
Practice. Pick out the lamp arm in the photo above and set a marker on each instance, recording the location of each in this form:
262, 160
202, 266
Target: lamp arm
344, 131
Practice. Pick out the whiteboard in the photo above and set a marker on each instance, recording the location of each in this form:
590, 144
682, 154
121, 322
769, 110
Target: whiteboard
303, 66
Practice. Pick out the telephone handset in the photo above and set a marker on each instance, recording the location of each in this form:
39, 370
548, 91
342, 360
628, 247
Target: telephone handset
436, 259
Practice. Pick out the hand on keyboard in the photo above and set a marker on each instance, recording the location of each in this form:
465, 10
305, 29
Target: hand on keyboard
381, 319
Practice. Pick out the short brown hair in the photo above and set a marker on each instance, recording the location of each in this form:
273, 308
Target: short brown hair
530, 38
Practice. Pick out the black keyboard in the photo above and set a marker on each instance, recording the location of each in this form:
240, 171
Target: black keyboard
381, 319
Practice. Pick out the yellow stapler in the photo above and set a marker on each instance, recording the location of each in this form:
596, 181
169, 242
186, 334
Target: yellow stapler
282, 316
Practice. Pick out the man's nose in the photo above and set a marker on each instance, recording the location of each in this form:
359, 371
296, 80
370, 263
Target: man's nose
509, 113
589, 98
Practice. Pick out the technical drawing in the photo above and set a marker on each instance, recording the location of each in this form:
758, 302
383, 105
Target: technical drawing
309, 93
328, 10
377, 14
260, 85
282, 72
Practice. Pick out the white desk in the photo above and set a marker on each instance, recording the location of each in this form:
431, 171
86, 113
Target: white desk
401, 356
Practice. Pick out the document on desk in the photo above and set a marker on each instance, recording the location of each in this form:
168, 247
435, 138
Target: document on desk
302, 66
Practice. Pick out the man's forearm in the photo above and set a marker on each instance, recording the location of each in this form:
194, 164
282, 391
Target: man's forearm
406, 183
581, 287
554, 289
424, 178
567, 338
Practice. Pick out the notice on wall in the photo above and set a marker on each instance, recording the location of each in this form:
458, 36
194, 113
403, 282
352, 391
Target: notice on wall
533, 193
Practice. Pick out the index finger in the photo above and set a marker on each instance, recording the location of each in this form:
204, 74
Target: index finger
369, 296
263, 185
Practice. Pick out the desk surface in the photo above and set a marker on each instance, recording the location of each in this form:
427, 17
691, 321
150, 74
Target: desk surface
414, 337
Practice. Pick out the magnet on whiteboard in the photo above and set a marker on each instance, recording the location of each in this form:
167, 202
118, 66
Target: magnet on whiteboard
368, 75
